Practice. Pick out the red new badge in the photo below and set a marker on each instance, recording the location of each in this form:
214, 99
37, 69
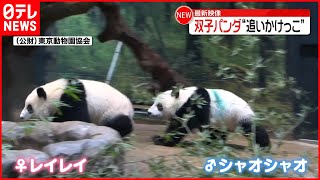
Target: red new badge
184, 15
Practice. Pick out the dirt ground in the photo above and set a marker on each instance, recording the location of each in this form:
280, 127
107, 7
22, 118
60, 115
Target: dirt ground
145, 149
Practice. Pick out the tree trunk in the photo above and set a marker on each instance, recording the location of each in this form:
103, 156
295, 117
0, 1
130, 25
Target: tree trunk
140, 17
149, 60
266, 47
193, 42
21, 73
168, 14
229, 39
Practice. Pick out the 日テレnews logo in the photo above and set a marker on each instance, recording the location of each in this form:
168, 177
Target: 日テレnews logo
20, 18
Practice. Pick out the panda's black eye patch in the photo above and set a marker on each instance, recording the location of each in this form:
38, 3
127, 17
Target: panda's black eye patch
30, 109
160, 107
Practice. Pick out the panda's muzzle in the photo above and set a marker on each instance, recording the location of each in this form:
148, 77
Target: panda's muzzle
24, 115
154, 115
22, 118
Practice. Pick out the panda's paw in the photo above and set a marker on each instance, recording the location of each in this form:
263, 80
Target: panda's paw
157, 140
162, 141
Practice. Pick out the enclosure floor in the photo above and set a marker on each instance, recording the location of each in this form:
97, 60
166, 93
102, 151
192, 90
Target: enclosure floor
144, 149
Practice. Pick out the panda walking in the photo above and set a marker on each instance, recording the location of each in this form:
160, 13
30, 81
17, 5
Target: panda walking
219, 108
81, 100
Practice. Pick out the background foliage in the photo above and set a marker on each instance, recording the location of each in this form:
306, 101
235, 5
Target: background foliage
234, 63
229, 62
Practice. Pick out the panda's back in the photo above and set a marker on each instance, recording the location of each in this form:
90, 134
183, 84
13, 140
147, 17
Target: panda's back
227, 108
105, 101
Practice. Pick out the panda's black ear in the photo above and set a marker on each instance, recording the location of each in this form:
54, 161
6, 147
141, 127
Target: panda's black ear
175, 93
41, 93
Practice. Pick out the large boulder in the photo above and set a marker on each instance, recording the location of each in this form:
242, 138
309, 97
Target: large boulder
71, 140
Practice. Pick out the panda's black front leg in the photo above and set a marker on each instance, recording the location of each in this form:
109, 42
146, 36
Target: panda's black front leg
215, 134
173, 125
168, 140
175, 132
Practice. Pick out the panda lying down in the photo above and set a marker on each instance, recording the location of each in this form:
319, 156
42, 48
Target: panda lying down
221, 108
95, 102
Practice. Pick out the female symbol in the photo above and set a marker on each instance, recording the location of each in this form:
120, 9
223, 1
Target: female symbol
20, 165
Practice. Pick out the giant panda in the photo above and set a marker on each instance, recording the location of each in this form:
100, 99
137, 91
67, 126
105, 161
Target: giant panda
219, 109
80, 100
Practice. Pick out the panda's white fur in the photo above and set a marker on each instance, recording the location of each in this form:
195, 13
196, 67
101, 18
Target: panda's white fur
226, 109
103, 101
234, 109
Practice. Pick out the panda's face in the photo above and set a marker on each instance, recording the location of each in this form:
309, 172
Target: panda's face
167, 103
163, 106
35, 105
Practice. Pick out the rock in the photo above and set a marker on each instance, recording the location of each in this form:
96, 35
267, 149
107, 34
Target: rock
109, 135
25, 135
92, 147
101, 138
11, 132
38, 136
67, 149
72, 130
10, 157
72, 140
99, 130
107, 139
